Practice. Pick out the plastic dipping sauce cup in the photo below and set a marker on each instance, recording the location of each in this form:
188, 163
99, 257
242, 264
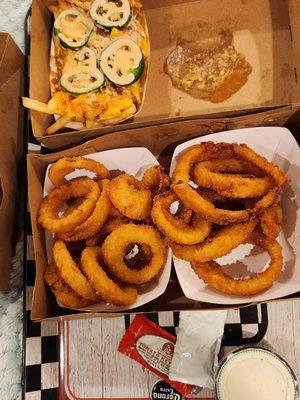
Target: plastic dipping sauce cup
255, 373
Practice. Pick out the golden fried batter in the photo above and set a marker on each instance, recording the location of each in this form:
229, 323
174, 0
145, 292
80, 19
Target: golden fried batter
212, 70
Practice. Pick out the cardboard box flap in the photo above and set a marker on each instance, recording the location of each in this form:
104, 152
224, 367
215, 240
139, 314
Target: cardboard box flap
271, 117
11, 144
11, 57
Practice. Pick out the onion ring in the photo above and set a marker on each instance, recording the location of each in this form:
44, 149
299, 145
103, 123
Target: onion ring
114, 213
201, 152
52, 204
130, 197
114, 220
63, 293
262, 163
212, 274
175, 229
71, 273
231, 165
231, 185
156, 180
95, 221
110, 225
217, 246
104, 286
116, 245
271, 221
200, 205
66, 165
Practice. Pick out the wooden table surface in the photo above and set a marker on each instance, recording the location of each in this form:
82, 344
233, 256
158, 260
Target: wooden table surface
94, 369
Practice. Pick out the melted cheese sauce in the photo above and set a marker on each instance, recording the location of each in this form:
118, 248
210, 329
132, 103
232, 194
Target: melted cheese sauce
74, 28
255, 374
98, 42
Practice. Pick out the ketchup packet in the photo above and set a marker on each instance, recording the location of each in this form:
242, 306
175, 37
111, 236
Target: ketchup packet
153, 347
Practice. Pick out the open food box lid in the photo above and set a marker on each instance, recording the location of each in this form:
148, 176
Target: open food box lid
11, 145
266, 33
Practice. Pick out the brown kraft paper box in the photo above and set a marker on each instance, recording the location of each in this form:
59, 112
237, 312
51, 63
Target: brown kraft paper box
266, 32
11, 144
160, 140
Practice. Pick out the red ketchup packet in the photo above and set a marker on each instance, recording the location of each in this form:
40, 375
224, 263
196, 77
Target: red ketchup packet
153, 347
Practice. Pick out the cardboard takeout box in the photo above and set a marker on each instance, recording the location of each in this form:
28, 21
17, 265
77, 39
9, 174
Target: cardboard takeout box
11, 145
161, 140
266, 32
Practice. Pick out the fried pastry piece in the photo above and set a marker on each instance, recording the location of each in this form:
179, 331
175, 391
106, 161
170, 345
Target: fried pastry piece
209, 69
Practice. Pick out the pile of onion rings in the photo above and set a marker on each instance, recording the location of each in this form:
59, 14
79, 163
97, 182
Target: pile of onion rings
235, 194
219, 197
109, 221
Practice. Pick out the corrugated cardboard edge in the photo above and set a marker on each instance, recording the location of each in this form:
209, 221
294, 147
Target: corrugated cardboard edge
156, 139
187, 127
11, 144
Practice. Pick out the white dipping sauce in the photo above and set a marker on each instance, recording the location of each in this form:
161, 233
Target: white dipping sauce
255, 374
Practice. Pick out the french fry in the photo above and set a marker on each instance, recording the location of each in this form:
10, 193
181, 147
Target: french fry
36, 105
59, 124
